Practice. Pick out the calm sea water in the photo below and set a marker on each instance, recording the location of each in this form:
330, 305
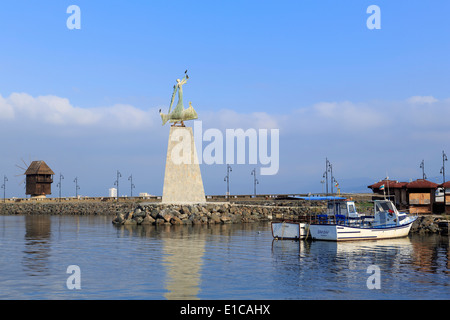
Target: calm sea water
223, 262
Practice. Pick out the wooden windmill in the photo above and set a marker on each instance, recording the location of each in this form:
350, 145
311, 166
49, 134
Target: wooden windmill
39, 179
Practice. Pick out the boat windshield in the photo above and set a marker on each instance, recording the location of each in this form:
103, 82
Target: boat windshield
384, 206
351, 208
337, 207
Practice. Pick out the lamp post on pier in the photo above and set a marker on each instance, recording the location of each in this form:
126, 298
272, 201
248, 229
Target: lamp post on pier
325, 174
255, 181
77, 187
444, 158
4, 188
330, 168
116, 183
59, 185
130, 178
422, 166
227, 179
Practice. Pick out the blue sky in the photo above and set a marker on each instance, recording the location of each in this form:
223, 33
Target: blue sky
374, 102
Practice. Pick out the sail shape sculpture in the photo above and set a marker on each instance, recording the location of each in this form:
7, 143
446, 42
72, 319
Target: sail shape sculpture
179, 114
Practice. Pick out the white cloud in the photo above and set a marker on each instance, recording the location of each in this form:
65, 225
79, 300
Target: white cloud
422, 100
6, 110
126, 116
53, 110
348, 115
323, 118
230, 119
361, 139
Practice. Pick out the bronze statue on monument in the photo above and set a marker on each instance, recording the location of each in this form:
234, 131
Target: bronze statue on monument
179, 114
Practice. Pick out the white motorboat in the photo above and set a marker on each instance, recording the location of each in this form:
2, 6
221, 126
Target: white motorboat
296, 229
289, 230
342, 223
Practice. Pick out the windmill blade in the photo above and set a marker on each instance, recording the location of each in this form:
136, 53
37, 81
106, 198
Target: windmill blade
26, 165
21, 168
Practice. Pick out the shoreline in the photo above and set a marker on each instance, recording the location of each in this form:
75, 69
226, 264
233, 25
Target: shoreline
157, 213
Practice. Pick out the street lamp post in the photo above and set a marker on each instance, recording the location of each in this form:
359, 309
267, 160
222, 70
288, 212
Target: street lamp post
130, 178
325, 175
422, 166
77, 187
59, 185
255, 181
444, 158
330, 167
116, 183
4, 188
227, 179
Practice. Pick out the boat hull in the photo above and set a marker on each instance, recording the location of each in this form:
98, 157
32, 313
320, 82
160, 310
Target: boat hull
333, 232
289, 230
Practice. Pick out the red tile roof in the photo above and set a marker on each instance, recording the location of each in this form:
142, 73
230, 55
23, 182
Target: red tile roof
418, 184
445, 185
421, 184
387, 183
399, 185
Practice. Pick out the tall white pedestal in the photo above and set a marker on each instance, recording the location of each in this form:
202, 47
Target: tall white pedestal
182, 179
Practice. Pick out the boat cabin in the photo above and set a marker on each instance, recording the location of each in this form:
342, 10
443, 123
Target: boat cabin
386, 214
344, 208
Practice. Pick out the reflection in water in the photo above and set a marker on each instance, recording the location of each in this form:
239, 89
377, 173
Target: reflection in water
208, 262
183, 260
183, 250
341, 265
37, 245
428, 256
429, 253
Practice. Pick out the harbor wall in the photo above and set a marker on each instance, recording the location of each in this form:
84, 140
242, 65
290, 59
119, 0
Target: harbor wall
64, 208
152, 213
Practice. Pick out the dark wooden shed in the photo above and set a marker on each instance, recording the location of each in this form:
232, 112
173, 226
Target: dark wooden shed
421, 195
39, 179
418, 196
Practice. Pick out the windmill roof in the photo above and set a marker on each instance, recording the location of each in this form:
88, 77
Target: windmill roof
39, 167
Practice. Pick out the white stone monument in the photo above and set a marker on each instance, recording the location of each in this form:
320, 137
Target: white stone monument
182, 179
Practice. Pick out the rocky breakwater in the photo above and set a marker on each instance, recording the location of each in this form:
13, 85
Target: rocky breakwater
430, 224
65, 208
207, 213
